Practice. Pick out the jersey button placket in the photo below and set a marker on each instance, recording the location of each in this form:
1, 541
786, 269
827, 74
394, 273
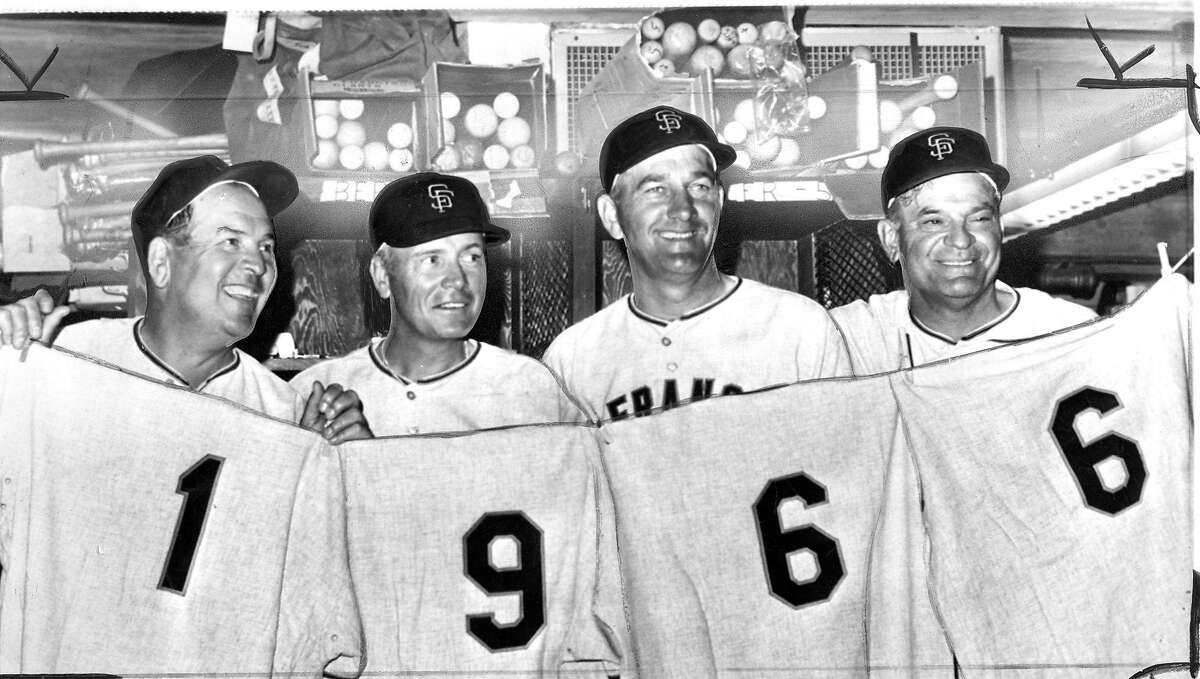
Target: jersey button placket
412, 395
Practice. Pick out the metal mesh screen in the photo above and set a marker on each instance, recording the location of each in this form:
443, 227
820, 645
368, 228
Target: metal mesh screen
583, 63
895, 61
545, 293
851, 264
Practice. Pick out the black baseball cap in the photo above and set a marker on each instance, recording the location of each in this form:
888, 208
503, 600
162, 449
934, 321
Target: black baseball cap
183, 180
421, 207
934, 152
657, 129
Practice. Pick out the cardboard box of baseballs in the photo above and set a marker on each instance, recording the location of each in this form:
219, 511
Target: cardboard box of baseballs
482, 117
364, 129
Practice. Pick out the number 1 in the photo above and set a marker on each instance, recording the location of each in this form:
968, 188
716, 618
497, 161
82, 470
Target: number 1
196, 486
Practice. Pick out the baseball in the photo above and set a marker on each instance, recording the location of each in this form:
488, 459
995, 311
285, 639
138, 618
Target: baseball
506, 105
351, 133
325, 107
707, 56
471, 152
664, 68
326, 126
351, 109
789, 153
923, 117
735, 132
495, 157
449, 132
742, 160
567, 163
856, 162
744, 113
728, 38
514, 132
400, 160
375, 155
447, 159
450, 104
481, 121
747, 33
522, 156
652, 52
817, 108
879, 158
861, 52
400, 135
679, 40
763, 150
351, 157
652, 28
708, 30
945, 86
327, 154
773, 31
890, 115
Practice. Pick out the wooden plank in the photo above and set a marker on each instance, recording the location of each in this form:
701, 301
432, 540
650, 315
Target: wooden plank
330, 315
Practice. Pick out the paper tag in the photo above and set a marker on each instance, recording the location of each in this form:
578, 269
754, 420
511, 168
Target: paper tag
272, 83
268, 112
240, 28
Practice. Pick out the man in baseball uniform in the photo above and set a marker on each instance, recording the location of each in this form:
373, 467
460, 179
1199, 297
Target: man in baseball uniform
687, 331
941, 195
431, 232
205, 239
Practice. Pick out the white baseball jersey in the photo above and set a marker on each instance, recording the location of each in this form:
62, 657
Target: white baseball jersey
883, 335
478, 554
244, 380
744, 527
492, 388
147, 529
1057, 480
621, 362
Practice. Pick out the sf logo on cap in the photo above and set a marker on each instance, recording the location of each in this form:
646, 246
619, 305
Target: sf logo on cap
670, 121
443, 197
942, 145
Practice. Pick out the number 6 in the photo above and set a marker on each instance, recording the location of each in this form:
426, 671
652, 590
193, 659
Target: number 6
777, 543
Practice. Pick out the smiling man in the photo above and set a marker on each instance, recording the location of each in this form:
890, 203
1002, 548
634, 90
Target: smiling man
941, 197
204, 236
431, 232
687, 331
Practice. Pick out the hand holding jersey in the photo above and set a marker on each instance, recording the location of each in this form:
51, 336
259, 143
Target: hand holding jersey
206, 243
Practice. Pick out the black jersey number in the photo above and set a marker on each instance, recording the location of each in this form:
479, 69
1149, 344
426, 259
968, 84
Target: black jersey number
777, 544
196, 485
525, 578
1083, 459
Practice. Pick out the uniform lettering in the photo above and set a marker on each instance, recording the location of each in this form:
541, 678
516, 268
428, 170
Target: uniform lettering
642, 399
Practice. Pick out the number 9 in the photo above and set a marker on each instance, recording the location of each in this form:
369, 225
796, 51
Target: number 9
525, 579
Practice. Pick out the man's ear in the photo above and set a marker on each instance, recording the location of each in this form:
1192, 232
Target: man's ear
606, 207
158, 263
889, 238
379, 276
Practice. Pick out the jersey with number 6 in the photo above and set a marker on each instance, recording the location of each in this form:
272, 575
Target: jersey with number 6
478, 554
1057, 479
744, 528
146, 529
622, 362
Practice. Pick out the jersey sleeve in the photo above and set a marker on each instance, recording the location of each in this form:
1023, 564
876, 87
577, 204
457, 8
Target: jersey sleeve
822, 353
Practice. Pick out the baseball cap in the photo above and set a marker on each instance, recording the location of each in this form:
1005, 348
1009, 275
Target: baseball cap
657, 129
934, 152
179, 183
421, 207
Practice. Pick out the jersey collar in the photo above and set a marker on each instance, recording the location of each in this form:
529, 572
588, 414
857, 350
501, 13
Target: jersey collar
137, 338
633, 307
376, 353
1004, 315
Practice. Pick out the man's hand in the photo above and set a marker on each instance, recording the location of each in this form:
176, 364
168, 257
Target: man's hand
33, 319
336, 414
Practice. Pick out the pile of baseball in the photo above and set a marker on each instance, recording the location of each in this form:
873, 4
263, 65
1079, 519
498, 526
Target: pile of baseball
342, 139
757, 147
735, 52
489, 134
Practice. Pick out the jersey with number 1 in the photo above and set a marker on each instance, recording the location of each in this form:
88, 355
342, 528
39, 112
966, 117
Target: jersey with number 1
622, 362
744, 527
146, 529
1057, 479
477, 555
